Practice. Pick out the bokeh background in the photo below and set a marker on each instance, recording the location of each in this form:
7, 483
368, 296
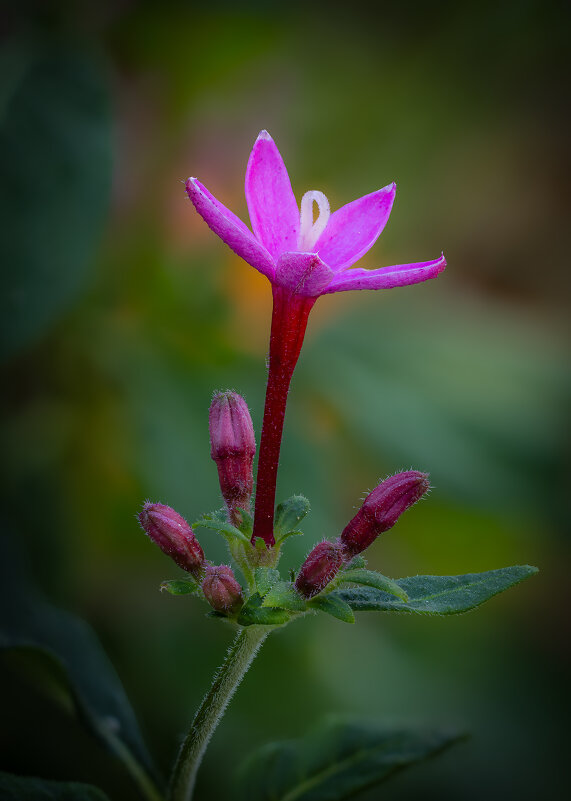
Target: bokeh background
122, 313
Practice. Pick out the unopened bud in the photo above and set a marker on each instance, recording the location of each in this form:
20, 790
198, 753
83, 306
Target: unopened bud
382, 508
232, 446
221, 589
320, 567
173, 535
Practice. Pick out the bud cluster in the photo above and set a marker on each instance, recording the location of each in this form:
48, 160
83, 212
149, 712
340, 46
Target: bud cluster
233, 446
379, 512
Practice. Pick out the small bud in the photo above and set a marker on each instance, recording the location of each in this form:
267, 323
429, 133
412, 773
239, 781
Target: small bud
221, 589
232, 446
319, 569
173, 535
381, 510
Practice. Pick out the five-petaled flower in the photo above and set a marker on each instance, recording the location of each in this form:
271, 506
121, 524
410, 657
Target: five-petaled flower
306, 257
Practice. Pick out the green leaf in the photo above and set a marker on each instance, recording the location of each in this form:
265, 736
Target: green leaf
25, 788
55, 161
223, 527
335, 761
373, 579
438, 595
284, 596
265, 578
254, 614
333, 605
70, 652
289, 514
180, 586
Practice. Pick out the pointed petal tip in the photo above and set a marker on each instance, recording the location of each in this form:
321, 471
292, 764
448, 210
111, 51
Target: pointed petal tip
264, 135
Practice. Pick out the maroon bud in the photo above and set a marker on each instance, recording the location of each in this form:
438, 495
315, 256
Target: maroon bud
382, 508
173, 535
221, 589
232, 446
319, 569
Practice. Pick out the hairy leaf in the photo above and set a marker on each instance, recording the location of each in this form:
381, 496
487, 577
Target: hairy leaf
336, 761
289, 514
254, 614
371, 578
223, 527
180, 586
265, 578
333, 605
283, 595
438, 595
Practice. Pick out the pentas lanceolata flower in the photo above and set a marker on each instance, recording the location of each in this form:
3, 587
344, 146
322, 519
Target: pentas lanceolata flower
303, 258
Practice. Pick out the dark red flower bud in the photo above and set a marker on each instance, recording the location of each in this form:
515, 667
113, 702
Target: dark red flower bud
221, 589
232, 446
173, 535
382, 508
319, 569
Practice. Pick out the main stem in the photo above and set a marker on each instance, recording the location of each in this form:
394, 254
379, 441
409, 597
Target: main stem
289, 322
212, 708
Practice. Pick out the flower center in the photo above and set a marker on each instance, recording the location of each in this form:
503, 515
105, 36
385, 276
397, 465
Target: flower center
310, 230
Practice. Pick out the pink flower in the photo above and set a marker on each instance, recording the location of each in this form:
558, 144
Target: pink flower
305, 256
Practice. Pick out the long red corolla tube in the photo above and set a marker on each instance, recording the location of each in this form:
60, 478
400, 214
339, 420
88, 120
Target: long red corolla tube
289, 322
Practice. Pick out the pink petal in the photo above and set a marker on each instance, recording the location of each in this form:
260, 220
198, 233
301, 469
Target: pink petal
303, 273
387, 277
353, 229
230, 228
273, 210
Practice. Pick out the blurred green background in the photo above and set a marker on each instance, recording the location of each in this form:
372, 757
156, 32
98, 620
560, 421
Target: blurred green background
122, 313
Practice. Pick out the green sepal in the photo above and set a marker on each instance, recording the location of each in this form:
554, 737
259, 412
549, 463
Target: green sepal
373, 579
260, 544
284, 596
289, 514
247, 524
333, 605
180, 586
254, 614
265, 578
437, 595
222, 526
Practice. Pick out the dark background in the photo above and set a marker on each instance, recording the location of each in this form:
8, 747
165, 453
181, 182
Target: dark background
122, 313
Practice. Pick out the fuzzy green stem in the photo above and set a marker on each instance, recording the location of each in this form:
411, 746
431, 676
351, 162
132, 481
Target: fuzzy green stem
213, 706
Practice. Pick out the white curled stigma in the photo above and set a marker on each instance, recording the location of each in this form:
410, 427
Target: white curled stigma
310, 230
